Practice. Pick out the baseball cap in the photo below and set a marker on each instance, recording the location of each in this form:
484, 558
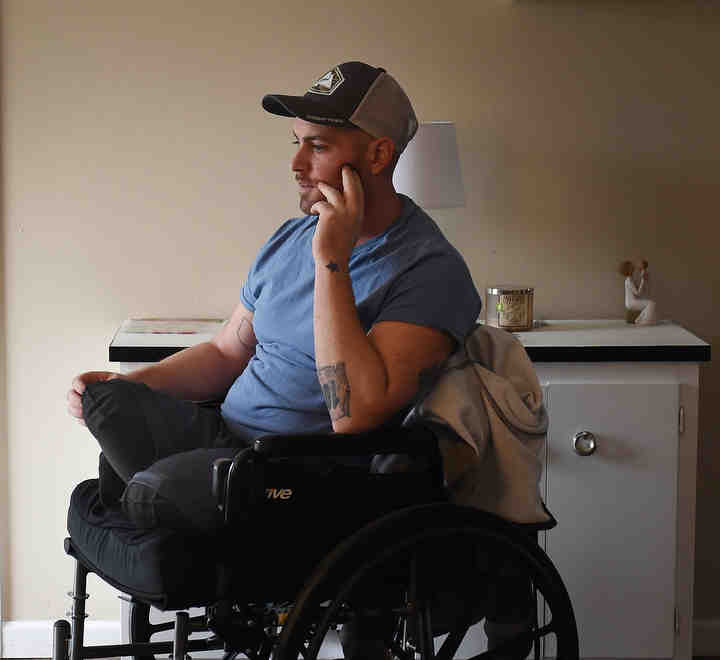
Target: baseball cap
353, 94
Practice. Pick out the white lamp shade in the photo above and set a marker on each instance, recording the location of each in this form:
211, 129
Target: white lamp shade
429, 169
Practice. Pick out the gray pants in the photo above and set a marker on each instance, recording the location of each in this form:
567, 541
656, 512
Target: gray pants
137, 428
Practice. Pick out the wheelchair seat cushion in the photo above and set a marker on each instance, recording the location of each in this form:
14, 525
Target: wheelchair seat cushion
163, 567
189, 559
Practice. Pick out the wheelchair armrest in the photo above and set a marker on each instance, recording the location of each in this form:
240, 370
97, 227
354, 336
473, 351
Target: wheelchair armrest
414, 441
220, 469
238, 484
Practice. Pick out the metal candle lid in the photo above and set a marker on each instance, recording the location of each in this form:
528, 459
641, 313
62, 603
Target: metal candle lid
505, 290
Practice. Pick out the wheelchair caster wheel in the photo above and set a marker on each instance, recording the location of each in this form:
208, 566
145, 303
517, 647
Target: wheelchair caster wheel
61, 639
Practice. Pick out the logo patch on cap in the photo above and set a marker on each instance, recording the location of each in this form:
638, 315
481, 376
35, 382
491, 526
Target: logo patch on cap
328, 83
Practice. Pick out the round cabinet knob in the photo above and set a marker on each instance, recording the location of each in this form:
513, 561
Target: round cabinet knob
584, 443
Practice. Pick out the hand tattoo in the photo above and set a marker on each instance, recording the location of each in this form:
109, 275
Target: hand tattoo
334, 268
336, 390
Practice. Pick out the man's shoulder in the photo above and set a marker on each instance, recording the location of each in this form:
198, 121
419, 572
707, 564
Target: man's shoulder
421, 225
425, 238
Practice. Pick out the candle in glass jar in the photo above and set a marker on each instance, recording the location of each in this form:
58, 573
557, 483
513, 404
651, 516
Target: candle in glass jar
510, 307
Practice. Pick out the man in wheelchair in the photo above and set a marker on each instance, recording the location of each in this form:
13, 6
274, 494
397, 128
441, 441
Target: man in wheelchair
344, 317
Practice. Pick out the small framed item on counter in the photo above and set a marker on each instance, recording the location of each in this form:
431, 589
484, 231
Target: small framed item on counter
140, 341
179, 326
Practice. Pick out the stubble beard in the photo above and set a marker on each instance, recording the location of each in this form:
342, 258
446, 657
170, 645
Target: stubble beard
307, 199
305, 204
310, 197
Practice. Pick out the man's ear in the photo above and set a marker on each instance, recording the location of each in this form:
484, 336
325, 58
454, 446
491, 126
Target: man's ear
381, 153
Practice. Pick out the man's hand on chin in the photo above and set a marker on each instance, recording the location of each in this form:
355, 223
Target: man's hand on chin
340, 220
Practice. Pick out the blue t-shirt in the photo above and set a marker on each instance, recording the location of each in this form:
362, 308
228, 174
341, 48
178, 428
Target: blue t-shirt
408, 273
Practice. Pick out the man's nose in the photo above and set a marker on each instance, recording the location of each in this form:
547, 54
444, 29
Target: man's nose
299, 161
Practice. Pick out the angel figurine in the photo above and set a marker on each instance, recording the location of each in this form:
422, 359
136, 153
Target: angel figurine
638, 309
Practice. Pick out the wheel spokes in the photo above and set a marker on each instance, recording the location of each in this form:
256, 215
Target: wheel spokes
429, 590
501, 651
453, 640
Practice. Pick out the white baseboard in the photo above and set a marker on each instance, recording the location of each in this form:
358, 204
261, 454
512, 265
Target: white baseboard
706, 637
33, 639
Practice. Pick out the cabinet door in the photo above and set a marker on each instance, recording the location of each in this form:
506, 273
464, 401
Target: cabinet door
616, 509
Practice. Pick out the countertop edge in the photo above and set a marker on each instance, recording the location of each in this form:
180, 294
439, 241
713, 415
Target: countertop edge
584, 347
536, 353
619, 353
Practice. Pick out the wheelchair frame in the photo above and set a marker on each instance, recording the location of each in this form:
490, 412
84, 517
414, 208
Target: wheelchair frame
237, 628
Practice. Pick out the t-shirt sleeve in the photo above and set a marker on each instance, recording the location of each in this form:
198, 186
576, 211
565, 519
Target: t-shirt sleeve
438, 292
247, 294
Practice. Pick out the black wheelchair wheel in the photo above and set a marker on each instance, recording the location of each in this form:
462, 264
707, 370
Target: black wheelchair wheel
406, 567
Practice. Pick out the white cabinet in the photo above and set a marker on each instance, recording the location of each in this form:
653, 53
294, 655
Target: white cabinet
625, 542
615, 544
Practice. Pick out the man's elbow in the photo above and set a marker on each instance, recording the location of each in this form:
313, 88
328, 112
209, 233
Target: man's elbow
363, 418
354, 425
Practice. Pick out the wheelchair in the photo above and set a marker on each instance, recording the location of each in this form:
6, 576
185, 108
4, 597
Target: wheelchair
305, 549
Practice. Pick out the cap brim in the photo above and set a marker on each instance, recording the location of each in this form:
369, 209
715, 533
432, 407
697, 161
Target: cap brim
279, 105
304, 108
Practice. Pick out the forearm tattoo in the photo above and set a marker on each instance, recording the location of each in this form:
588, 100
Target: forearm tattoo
336, 390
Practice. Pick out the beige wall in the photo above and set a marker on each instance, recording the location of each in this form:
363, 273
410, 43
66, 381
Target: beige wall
141, 176
3, 407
